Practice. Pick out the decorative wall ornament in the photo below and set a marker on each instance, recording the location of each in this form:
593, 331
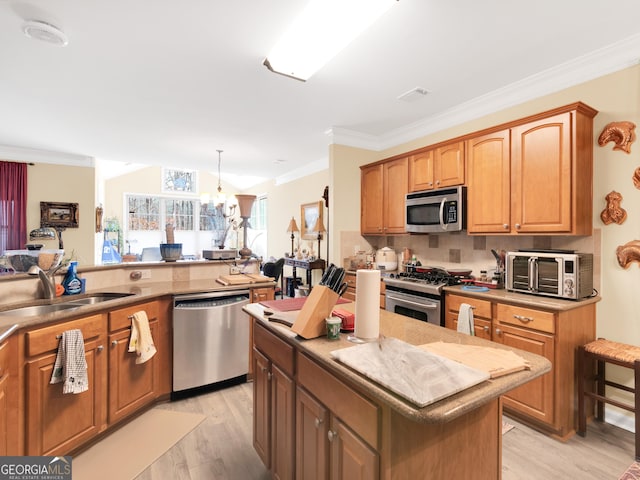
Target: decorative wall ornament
627, 253
621, 133
613, 213
636, 178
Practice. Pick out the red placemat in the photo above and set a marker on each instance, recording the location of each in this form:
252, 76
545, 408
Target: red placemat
290, 304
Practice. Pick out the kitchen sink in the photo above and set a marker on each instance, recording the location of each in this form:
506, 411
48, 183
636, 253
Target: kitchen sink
97, 298
37, 310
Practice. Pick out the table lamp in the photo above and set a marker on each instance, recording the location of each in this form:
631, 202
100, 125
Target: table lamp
292, 229
319, 229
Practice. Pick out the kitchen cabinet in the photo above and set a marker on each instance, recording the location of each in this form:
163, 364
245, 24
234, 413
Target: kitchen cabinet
534, 177
421, 171
437, 168
257, 295
132, 386
334, 424
56, 423
9, 395
273, 403
547, 402
383, 187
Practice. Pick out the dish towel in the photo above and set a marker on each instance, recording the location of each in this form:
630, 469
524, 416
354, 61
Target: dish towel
71, 364
465, 319
141, 341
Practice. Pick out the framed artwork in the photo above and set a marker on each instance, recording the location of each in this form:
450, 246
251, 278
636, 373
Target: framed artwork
310, 214
56, 214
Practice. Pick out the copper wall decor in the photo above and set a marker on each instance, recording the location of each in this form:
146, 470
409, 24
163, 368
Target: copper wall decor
613, 213
621, 133
636, 178
627, 253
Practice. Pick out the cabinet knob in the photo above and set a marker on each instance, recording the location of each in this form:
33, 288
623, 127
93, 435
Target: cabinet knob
517, 226
318, 422
498, 331
331, 435
100, 348
114, 343
505, 226
269, 376
437, 182
485, 328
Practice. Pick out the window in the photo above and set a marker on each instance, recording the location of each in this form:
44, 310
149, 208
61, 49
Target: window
185, 181
180, 213
144, 213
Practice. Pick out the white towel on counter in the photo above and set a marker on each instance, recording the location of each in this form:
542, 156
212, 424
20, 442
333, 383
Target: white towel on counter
465, 319
71, 364
141, 341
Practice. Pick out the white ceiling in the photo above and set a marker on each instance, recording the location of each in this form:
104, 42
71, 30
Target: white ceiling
168, 82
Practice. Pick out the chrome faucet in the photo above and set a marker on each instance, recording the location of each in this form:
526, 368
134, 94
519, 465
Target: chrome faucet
46, 279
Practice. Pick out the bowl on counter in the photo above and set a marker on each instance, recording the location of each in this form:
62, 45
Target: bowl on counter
22, 260
170, 252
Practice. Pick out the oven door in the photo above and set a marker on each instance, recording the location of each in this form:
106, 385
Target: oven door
425, 308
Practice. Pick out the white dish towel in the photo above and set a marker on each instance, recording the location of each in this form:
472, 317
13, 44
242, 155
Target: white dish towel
465, 319
71, 364
141, 341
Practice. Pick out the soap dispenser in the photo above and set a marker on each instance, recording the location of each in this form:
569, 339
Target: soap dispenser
72, 284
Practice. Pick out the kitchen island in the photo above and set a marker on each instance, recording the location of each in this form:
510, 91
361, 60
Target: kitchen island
313, 415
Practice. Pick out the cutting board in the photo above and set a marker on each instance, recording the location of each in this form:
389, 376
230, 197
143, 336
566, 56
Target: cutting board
243, 279
413, 373
495, 361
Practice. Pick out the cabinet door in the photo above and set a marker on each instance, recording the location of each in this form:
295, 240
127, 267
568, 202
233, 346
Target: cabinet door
261, 407
481, 314
542, 175
535, 398
449, 165
421, 171
489, 183
396, 186
4, 412
262, 294
350, 457
371, 218
312, 426
131, 385
282, 424
56, 422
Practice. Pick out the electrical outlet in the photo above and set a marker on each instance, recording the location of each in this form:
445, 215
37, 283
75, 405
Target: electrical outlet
235, 270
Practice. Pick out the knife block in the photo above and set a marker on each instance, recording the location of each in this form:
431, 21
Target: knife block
310, 322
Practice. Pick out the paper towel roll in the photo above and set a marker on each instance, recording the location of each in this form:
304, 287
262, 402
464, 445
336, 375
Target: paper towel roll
367, 304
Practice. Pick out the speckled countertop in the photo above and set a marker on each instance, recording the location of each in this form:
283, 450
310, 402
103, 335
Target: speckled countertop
141, 293
415, 333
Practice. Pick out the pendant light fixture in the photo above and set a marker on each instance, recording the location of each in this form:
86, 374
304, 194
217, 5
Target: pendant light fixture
221, 197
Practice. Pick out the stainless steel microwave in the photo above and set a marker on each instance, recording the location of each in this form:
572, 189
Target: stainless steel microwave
436, 211
561, 274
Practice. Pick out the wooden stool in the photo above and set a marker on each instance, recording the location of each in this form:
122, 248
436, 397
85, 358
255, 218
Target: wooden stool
605, 351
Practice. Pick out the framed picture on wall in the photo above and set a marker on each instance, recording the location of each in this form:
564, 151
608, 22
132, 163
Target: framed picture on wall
56, 214
310, 214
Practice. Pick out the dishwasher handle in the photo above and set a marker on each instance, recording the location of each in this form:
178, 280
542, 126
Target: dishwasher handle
211, 301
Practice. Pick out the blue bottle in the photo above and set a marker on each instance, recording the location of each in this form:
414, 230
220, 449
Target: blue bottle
71, 283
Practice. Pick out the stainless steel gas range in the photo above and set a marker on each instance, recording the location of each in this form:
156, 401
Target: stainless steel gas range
418, 294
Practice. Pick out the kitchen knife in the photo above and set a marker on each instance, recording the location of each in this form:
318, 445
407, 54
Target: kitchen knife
342, 289
325, 275
330, 273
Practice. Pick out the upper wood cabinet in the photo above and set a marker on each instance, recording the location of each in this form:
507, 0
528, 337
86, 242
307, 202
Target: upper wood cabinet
383, 189
535, 177
437, 168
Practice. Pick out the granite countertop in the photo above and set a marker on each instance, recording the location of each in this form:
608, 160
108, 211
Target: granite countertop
523, 299
413, 332
141, 292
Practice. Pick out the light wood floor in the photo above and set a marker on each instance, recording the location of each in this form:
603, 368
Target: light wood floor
220, 448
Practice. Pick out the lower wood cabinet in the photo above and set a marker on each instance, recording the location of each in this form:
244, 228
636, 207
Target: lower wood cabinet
547, 402
9, 396
56, 423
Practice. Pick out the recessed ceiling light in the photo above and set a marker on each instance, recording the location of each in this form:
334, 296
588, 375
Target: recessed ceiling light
45, 32
414, 94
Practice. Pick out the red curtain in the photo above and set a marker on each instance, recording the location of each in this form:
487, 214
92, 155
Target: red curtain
13, 206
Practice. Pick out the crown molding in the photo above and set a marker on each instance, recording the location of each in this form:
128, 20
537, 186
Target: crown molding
21, 154
598, 63
307, 169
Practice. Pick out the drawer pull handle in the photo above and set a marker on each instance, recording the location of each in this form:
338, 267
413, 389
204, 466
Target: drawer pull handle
114, 343
523, 319
485, 328
498, 331
318, 422
58, 337
331, 435
100, 348
269, 376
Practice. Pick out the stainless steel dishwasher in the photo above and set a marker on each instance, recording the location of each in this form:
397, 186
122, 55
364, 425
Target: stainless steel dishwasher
210, 340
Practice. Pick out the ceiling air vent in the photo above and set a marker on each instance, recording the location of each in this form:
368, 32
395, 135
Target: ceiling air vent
414, 94
45, 32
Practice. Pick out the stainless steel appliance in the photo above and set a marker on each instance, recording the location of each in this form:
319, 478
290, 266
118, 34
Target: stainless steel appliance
418, 294
210, 339
559, 273
436, 211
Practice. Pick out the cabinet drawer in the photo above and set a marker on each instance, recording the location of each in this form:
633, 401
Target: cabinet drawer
481, 308
46, 339
526, 317
119, 319
277, 350
356, 411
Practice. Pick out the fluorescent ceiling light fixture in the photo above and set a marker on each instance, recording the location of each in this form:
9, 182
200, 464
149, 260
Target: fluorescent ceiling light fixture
323, 29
